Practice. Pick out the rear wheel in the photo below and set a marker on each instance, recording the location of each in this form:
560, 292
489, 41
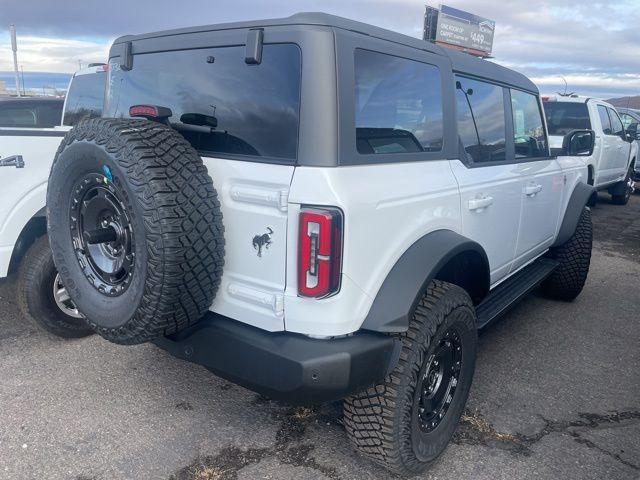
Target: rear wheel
626, 187
406, 422
42, 296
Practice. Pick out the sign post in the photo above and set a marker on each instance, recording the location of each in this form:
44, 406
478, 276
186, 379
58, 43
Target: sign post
453, 28
14, 47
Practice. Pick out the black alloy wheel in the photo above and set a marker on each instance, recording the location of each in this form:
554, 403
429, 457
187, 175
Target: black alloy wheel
440, 378
102, 233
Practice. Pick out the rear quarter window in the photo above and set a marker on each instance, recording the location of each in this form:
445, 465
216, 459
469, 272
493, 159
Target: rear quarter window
219, 103
31, 114
562, 117
398, 105
85, 98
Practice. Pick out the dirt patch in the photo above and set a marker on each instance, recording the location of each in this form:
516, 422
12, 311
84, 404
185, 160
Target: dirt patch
289, 447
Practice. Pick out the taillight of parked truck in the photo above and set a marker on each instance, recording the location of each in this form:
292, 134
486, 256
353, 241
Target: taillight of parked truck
320, 251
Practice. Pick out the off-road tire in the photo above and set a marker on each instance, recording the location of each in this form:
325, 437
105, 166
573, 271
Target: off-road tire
174, 214
574, 257
381, 421
628, 190
36, 277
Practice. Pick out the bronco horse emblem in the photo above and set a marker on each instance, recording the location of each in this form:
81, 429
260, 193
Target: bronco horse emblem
264, 240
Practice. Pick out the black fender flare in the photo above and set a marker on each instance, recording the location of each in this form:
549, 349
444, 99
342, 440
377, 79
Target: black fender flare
408, 279
578, 200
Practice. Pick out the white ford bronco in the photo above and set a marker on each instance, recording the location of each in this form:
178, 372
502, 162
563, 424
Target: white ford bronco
611, 165
334, 227
31, 130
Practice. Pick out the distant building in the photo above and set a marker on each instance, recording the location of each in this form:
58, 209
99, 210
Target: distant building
3, 88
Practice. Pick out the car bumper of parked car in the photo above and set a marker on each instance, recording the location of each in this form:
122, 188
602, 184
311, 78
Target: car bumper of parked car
285, 366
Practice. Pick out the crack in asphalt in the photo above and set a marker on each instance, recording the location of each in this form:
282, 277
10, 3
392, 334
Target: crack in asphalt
288, 448
474, 430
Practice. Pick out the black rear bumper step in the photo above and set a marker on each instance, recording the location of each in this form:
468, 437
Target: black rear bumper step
285, 366
505, 295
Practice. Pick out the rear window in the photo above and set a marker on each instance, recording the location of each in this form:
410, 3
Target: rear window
562, 117
30, 114
85, 98
222, 105
398, 105
605, 120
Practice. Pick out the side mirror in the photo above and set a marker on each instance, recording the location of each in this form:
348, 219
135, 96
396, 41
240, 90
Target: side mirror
578, 143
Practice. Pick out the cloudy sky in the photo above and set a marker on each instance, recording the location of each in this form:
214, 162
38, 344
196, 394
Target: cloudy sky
594, 45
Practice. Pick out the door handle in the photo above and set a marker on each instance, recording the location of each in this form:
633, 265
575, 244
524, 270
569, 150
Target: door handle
12, 161
479, 204
532, 189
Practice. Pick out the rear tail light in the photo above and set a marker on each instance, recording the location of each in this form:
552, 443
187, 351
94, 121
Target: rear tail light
320, 251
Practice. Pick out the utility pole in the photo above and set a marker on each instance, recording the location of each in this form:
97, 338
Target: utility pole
24, 92
14, 47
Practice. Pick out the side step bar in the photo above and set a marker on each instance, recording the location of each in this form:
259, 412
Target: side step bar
505, 295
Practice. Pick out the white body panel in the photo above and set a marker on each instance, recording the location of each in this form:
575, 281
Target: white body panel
253, 199
23, 190
494, 225
542, 184
611, 151
386, 209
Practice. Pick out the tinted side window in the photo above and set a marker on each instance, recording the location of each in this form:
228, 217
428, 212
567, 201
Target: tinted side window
562, 117
481, 125
398, 105
627, 120
219, 103
529, 137
18, 116
49, 114
604, 119
616, 124
84, 98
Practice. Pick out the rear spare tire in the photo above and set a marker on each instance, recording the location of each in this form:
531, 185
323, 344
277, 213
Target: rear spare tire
135, 227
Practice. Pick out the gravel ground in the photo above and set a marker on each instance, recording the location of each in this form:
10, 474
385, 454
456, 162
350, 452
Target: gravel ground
556, 395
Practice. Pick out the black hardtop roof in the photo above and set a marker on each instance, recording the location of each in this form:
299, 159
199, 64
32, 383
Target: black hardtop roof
461, 62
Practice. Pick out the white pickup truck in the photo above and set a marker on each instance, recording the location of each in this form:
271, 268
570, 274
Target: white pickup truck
611, 166
31, 131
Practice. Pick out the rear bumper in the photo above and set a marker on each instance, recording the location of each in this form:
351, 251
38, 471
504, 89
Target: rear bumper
285, 366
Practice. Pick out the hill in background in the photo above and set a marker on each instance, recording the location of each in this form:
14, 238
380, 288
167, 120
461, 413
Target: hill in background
625, 102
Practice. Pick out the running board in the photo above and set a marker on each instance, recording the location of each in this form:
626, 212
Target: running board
505, 295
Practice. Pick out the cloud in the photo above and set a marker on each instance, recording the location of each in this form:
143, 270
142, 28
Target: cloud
593, 44
53, 54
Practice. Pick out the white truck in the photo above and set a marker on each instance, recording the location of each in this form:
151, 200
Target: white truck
611, 166
31, 130
338, 227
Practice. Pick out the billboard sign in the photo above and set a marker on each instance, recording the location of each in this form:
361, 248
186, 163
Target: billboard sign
464, 30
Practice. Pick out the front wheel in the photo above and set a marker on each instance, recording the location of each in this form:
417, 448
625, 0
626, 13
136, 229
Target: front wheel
574, 257
42, 296
407, 421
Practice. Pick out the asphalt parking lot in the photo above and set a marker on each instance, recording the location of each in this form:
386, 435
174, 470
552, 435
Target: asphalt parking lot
556, 395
